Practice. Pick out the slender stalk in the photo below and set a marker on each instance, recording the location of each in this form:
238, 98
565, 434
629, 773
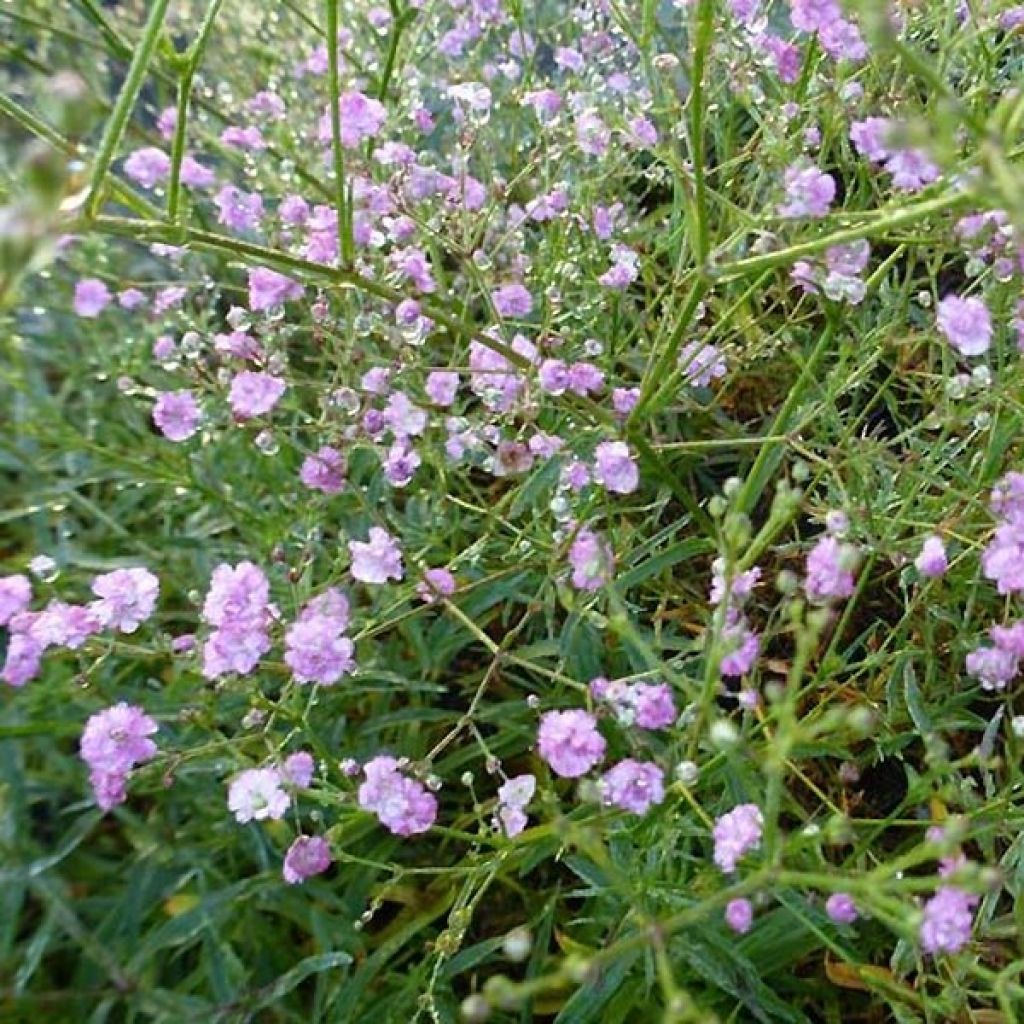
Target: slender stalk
114, 129
337, 150
702, 44
193, 59
884, 222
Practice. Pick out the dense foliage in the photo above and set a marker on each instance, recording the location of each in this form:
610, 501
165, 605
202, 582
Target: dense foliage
511, 511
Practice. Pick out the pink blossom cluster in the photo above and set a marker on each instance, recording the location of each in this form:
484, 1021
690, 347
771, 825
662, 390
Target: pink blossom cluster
402, 805
125, 598
513, 797
237, 605
645, 705
113, 742
316, 649
736, 833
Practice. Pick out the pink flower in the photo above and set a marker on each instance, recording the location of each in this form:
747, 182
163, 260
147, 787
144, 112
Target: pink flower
830, 570
442, 386
361, 118
743, 647
127, 598
238, 210
256, 795
148, 167
592, 561
948, 919
298, 769
177, 415
1003, 559
315, 649
569, 742
24, 658
932, 561
814, 15
739, 915
615, 468
512, 300
268, 288
633, 786
513, 796
253, 394
324, 471
436, 583
238, 596
306, 857
735, 834
809, 192
92, 296
841, 908
701, 364
402, 805
966, 324
194, 174
592, 134
113, 742
378, 559
15, 596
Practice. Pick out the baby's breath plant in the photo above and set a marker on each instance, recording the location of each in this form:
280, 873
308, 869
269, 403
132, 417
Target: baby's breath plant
511, 511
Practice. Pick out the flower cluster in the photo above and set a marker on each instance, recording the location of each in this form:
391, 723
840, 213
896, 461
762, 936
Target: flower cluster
237, 605
113, 742
402, 805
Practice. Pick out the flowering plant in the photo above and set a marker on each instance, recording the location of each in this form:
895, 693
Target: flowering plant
514, 511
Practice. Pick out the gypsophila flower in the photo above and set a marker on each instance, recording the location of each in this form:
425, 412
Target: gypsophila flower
932, 561
177, 415
841, 908
113, 742
315, 649
376, 560
614, 467
830, 570
127, 597
402, 805
254, 394
512, 300
513, 797
592, 561
736, 834
268, 288
809, 192
739, 915
966, 324
436, 583
15, 596
256, 795
306, 857
569, 742
92, 296
148, 167
947, 921
298, 769
324, 471
633, 786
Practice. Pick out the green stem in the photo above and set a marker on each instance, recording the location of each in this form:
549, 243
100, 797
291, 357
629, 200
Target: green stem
114, 129
885, 221
114, 40
194, 56
702, 44
337, 150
